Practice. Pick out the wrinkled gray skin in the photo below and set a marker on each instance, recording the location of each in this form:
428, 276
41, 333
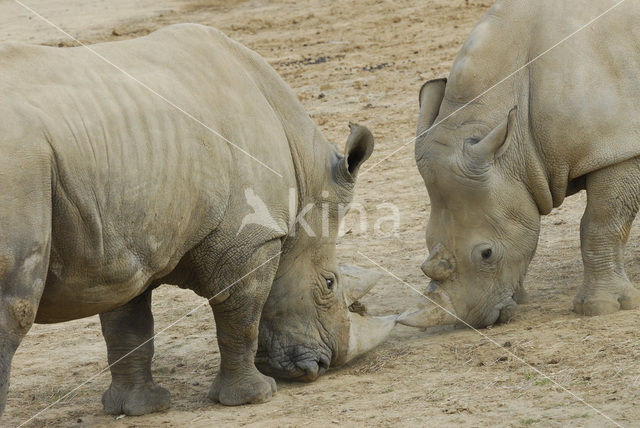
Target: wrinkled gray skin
567, 122
108, 191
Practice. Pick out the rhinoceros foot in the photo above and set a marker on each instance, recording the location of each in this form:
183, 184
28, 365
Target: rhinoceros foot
253, 388
606, 300
136, 401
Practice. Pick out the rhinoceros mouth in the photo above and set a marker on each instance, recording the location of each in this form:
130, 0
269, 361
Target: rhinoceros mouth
302, 365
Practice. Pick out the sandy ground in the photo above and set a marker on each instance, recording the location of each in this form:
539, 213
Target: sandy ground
358, 61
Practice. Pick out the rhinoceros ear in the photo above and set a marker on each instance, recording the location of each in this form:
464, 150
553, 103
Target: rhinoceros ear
358, 149
431, 96
479, 154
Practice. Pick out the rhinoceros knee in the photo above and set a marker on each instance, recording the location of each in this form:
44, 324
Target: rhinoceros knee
6, 264
19, 312
23, 312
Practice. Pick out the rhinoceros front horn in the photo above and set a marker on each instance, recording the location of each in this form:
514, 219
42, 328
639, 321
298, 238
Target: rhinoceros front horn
437, 311
366, 332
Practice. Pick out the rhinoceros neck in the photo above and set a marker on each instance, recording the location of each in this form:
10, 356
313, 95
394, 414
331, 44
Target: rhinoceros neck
535, 173
310, 152
489, 77
492, 60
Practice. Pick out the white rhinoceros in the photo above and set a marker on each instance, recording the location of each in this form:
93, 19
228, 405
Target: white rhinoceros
109, 189
569, 120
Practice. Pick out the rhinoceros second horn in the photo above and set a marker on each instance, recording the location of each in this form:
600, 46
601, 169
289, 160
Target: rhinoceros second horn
358, 281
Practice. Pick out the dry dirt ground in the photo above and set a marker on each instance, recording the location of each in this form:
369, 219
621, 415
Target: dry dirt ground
358, 61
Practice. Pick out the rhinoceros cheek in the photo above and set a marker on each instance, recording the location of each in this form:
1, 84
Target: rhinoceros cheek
508, 311
500, 313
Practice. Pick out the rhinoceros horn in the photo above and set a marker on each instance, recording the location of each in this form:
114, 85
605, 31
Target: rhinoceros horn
365, 331
440, 264
437, 311
357, 281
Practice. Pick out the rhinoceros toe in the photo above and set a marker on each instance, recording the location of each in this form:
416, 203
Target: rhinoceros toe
136, 401
607, 300
253, 388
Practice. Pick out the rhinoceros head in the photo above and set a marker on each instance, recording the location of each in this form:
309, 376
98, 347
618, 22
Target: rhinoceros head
484, 224
306, 324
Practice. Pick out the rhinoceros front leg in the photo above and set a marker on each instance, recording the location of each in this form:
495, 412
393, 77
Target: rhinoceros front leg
25, 244
21, 284
132, 390
613, 198
237, 320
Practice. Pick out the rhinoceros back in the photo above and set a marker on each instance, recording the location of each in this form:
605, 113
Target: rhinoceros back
584, 93
576, 84
137, 181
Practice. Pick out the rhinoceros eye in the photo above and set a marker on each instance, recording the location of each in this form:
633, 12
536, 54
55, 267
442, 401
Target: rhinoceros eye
486, 254
471, 141
330, 282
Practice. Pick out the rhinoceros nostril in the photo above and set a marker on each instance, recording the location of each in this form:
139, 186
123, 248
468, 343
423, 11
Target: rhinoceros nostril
324, 364
310, 369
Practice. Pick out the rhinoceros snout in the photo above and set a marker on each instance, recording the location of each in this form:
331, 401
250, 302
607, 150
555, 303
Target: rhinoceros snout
299, 364
311, 369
